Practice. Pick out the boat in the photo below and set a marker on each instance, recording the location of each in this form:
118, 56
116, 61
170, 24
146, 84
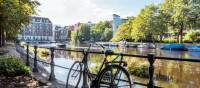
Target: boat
113, 45
193, 48
60, 45
173, 47
132, 46
146, 45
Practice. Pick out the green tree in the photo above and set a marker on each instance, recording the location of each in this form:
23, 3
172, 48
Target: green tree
107, 35
181, 14
99, 29
124, 31
147, 25
74, 37
84, 32
13, 15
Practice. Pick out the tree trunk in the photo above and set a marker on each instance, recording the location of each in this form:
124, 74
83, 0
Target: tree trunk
161, 38
3, 36
181, 34
0, 35
177, 35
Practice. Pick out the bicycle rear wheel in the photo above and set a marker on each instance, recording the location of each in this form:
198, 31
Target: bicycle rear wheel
114, 76
74, 75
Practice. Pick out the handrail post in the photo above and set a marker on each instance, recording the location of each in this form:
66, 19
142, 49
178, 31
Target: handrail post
27, 55
85, 80
52, 74
35, 69
151, 59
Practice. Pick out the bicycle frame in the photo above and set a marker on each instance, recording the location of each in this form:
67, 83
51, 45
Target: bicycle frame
86, 71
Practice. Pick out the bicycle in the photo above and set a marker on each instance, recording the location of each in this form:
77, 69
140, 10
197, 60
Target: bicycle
112, 74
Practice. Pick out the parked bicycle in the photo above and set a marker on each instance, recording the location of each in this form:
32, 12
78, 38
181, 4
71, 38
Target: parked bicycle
111, 74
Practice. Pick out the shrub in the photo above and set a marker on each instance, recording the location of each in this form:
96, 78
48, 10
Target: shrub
192, 35
187, 41
44, 52
10, 66
169, 40
140, 70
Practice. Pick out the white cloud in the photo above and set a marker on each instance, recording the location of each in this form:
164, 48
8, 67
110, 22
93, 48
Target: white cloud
65, 12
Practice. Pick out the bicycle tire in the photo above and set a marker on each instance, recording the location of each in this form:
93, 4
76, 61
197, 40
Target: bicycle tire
71, 72
102, 77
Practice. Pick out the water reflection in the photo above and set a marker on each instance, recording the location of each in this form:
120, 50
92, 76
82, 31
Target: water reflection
169, 74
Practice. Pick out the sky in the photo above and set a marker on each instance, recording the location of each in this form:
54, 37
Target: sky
69, 12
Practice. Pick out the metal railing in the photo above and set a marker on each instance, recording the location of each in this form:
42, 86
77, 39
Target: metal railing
150, 57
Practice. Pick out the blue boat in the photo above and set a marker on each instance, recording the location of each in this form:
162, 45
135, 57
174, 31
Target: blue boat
193, 48
173, 47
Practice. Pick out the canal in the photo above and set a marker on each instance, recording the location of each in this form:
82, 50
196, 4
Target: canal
168, 74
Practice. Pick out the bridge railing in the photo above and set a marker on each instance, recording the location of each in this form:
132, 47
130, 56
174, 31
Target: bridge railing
150, 57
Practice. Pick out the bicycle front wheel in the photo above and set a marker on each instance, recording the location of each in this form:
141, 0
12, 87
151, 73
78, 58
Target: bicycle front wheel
114, 76
74, 75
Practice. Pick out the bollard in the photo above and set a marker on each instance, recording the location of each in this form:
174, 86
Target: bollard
52, 74
27, 55
151, 59
35, 69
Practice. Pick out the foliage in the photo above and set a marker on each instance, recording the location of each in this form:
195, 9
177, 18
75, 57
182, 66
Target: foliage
44, 52
140, 70
74, 37
11, 66
154, 21
124, 31
169, 40
138, 67
83, 32
16, 13
192, 35
101, 31
107, 35
181, 14
148, 24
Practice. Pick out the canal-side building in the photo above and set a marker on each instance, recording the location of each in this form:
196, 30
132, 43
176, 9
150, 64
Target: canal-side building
61, 33
40, 30
116, 22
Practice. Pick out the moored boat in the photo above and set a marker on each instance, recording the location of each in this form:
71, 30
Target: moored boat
173, 47
193, 48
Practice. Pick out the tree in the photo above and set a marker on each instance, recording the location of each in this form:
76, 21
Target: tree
194, 14
74, 37
83, 32
107, 35
181, 14
148, 24
124, 31
13, 15
99, 29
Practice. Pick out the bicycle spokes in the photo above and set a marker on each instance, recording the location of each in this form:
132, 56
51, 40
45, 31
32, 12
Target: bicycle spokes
114, 77
74, 75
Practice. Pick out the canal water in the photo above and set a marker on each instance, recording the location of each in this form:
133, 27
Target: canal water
168, 74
